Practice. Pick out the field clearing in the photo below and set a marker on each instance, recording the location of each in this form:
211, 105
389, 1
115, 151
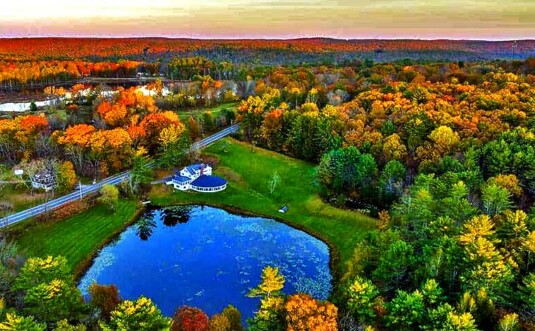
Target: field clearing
249, 170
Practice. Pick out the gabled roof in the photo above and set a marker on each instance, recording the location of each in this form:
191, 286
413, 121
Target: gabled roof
181, 179
46, 177
192, 169
208, 181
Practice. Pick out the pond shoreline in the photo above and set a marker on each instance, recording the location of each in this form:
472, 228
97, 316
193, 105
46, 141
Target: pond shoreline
334, 257
81, 268
246, 243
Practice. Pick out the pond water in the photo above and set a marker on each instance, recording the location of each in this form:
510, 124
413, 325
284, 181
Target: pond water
208, 258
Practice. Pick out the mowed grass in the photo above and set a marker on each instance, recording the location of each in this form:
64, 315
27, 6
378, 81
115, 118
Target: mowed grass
79, 236
249, 170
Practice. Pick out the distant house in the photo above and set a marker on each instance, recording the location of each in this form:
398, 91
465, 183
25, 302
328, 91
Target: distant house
45, 180
197, 177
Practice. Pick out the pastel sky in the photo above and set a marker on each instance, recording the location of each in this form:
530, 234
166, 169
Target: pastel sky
431, 19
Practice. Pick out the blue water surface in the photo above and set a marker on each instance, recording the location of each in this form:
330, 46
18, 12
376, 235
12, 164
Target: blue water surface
208, 258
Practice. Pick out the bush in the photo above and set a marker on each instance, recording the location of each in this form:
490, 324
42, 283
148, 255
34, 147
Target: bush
109, 196
65, 211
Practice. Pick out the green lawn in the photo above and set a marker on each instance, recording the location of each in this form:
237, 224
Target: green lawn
79, 236
249, 169
216, 110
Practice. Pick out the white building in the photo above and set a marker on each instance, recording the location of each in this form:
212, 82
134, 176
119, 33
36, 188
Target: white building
197, 177
44, 180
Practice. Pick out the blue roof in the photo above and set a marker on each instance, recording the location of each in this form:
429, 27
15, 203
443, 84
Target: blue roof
209, 181
181, 179
194, 167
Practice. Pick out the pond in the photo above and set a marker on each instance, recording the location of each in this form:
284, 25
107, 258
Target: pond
208, 258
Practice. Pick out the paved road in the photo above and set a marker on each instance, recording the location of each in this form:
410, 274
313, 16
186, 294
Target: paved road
113, 180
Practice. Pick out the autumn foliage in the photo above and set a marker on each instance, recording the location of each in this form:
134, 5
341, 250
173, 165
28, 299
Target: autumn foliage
306, 313
105, 298
190, 319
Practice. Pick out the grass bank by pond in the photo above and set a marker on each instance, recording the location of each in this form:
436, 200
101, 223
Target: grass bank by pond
250, 170
78, 237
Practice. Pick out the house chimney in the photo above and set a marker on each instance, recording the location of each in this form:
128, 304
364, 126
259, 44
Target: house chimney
202, 169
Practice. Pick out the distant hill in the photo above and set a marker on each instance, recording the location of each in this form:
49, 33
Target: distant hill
293, 50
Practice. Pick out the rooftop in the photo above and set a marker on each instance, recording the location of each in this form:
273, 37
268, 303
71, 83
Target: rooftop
181, 179
46, 177
195, 167
209, 181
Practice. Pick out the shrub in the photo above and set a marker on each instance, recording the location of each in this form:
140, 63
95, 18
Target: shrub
109, 196
63, 212
190, 319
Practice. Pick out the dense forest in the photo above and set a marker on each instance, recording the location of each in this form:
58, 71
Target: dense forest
442, 153
53, 61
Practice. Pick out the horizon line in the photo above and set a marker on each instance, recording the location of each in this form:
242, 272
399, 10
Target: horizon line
259, 38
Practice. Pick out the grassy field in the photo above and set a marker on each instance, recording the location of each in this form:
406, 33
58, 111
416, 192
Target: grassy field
216, 110
79, 236
249, 171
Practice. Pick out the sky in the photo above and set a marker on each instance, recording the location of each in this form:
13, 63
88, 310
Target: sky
352, 19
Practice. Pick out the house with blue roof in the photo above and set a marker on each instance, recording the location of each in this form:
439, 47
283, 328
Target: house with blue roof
197, 177
195, 170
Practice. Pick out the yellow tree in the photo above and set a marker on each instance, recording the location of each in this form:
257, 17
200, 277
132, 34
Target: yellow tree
478, 226
14, 322
250, 113
171, 135
140, 314
271, 284
508, 182
393, 148
219, 322
509, 322
269, 316
486, 268
444, 142
66, 175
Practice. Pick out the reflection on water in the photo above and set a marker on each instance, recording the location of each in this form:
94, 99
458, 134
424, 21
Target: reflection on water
208, 258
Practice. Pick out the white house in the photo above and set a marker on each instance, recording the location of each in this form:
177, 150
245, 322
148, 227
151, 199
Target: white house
195, 170
197, 177
45, 180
